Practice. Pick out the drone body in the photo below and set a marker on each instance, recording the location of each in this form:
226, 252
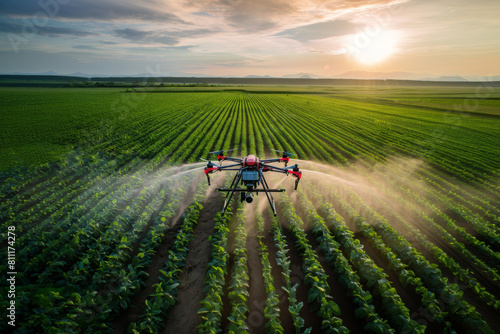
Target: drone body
250, 174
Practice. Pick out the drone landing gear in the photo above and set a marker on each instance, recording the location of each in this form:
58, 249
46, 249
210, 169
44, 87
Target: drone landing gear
246, 194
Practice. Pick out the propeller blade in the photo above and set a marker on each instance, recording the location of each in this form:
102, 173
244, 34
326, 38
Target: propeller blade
287, 153
296, 165
210, 162
221, 151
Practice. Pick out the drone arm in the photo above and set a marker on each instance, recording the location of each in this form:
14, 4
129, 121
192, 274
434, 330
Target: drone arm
266, 168
286, 160
214, 168
297, 174
270, 160
229, 166
233, 159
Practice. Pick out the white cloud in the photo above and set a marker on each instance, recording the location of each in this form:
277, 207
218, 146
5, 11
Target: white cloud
221, 35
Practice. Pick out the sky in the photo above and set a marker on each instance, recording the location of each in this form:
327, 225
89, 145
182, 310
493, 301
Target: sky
250, 37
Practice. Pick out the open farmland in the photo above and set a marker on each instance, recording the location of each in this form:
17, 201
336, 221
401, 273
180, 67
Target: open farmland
395, 227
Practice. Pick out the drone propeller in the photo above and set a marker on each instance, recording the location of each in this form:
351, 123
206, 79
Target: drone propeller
221, 152
296, 165
210, 163
221, 155
287, 153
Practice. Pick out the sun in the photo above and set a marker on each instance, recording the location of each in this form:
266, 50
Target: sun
375, 49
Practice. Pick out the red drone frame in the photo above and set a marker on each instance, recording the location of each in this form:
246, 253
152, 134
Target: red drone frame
250, 171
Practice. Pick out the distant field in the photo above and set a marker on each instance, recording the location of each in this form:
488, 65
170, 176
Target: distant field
395, 227
41, 124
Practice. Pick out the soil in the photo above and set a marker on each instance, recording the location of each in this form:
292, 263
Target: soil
226, 302
183, 318
257, 292
279, 280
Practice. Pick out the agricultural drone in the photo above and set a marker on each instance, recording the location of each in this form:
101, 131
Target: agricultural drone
250, 172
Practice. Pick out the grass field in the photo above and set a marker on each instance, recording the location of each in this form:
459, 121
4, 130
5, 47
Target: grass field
395, 227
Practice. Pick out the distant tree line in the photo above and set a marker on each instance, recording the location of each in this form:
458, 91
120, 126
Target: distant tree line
68, 81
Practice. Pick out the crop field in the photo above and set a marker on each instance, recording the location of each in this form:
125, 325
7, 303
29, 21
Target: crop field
109, 225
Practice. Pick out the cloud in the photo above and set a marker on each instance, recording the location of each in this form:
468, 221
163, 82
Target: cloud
319, 30
258, 15
177, 48
132, 34
253, 16
85, 47
101, 10
150, 37
159, 37
16, 28
170, 50
202, 14
191, 33
218, 34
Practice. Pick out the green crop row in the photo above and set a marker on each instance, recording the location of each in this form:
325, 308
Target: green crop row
238, 286
159, 303
271, 310
372, 276
283, 261
423, 274
211, 306
315, 276
347, 276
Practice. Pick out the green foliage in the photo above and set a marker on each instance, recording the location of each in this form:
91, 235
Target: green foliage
284, 262
91, 184
238, 286
271, 310
315, 276
211, 306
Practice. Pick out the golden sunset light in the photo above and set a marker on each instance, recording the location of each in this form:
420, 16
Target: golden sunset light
377, 49
240, 37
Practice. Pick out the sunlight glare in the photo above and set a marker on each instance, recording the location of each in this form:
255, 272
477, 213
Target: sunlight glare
376, 49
